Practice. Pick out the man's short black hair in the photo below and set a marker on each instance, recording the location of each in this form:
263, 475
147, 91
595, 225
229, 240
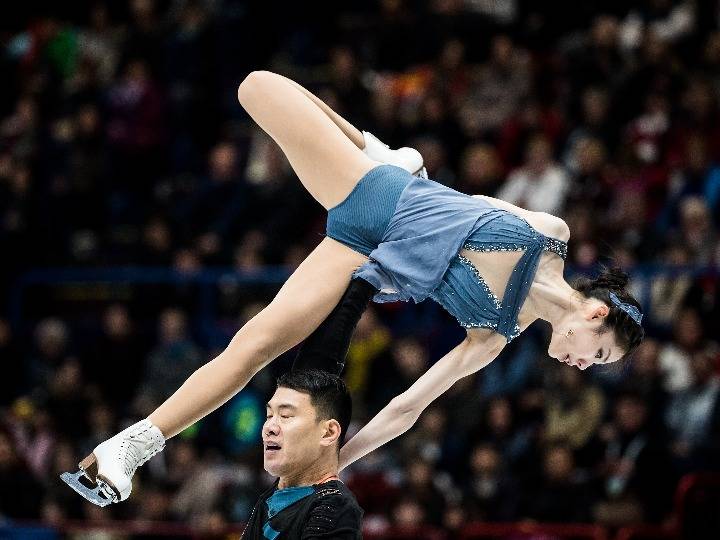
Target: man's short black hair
328, 394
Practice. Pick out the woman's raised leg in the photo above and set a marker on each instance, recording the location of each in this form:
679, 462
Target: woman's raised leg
350, 131
405, 157
326, 160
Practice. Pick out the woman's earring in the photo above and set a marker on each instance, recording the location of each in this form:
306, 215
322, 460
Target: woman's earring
569, 333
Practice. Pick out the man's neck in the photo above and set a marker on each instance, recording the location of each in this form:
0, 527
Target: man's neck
316, 473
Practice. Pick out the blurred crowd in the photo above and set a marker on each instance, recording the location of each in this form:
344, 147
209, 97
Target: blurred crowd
122, 144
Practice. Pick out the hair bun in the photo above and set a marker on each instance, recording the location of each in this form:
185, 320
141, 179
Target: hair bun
613, 278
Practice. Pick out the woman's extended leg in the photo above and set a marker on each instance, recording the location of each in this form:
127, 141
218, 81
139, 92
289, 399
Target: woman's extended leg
300, 306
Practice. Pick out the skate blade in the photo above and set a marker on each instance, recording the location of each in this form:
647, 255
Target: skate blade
100, 494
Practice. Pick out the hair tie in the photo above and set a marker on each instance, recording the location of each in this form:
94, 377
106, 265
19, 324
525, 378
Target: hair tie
631, 310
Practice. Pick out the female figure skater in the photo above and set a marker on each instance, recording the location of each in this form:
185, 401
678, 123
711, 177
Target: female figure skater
494, 266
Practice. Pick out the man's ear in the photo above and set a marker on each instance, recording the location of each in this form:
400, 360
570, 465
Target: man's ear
331, 433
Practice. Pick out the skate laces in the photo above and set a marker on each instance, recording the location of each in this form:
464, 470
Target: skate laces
131, 456
137, 448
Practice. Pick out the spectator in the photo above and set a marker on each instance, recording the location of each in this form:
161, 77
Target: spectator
561, 496
632, 490
540, 185
498, 88
667, 293
597, 60
114, 361
646, 379
67, 400
675, 357
595, 122
696, 231
14, 377
171, 362
408, 515
490, 491
480, 170
420, 484
501, 429
51, 344
20, 493
210, 212
573, 410
693, 416
391, 377
696, 175
428, 441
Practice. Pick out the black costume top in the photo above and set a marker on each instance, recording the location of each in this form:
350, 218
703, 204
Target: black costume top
327, 510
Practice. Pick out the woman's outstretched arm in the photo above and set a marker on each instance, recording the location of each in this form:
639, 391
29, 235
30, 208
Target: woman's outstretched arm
401, 413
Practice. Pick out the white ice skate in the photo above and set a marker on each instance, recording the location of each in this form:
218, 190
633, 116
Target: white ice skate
407, 158
105, 476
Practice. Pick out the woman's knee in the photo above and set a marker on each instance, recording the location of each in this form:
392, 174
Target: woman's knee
256, 82
259, 343
254, 347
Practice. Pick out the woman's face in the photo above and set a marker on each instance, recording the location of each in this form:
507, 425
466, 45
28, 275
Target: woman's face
576, 341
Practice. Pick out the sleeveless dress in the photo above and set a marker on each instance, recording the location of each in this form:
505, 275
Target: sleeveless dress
413, 231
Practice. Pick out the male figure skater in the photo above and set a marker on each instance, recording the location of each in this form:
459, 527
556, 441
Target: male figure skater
307, 418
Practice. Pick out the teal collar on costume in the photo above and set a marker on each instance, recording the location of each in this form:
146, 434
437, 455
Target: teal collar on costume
282, 498
269, 532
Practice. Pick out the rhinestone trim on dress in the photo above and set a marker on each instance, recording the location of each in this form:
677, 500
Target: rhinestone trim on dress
550, 244
491, 246
481, 281
556, 246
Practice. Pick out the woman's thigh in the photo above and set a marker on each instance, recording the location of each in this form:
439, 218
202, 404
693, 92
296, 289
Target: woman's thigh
327, 162
305, 300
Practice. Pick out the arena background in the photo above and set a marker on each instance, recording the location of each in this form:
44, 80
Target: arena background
144, 218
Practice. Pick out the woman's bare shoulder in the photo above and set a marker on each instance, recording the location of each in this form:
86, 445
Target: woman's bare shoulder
543, 222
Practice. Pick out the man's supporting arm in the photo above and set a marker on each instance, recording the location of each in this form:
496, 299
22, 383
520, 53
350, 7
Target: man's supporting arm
327, 347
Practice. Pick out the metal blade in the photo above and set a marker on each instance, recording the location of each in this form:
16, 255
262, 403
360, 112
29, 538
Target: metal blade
97, 495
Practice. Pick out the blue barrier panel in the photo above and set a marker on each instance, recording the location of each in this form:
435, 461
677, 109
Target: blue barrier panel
208, 279
9, 532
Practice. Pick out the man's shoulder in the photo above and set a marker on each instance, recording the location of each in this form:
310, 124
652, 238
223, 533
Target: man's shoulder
335, 510
336, 492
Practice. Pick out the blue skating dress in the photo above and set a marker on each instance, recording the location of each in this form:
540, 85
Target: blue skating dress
413, 230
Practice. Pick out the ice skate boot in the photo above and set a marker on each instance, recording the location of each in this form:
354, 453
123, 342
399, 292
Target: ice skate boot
105, 476
407, 158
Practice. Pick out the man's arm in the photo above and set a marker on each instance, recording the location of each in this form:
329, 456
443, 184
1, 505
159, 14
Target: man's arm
401, 413
327, 347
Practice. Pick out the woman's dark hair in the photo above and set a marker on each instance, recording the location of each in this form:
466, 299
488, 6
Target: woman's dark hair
628, 333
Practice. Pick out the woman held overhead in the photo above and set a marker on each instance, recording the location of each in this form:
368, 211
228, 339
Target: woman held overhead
495, 267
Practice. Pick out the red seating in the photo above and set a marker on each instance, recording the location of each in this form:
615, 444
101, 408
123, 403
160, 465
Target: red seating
696, 515
532, 531
373, 492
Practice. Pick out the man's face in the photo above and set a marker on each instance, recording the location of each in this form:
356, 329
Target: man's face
292, 434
